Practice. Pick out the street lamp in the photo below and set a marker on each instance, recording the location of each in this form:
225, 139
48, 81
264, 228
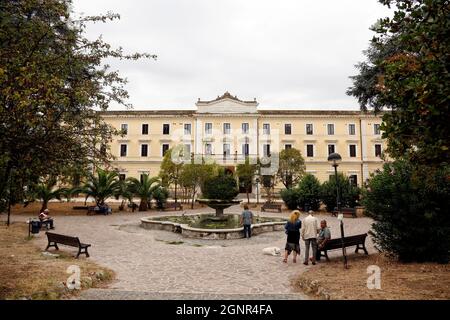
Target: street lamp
257, 190
334, 159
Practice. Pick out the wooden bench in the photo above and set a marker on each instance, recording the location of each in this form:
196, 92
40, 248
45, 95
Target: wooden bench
358, 240
271, 206
172, 206
80, 208
54, 239
344, 211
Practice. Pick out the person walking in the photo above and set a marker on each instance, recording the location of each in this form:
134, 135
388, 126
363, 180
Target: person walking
309, 235
293, 236
246, 221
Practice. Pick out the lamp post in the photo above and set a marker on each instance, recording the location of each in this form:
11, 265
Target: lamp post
334, 159
257, 190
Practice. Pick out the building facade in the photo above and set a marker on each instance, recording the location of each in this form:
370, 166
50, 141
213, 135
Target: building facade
226, 130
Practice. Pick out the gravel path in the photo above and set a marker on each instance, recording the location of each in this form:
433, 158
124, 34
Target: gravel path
152, 264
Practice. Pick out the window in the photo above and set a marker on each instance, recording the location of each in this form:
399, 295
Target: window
351, 129
310, 150
330, 129
287, 146
208, 149
331, 149
378, 150
352, 150
266, 150
103, 149
245, 128
226, 150
166, 128
145, 129
309, 129
266, 128
142, 177
208, 128
165, 147
187, 149
144, 150
123, 150
376, 128
267, 181
122, 177
187, 129
245, 149
226, 128
124, 128
353, 180
287, 128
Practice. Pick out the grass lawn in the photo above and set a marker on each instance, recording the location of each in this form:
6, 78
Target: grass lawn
26, 273
410, 281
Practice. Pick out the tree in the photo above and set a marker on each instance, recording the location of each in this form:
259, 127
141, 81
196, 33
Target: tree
160, 195
170, 171
222, 186
52, 81
291, 167
349, 194
143, 189
193, 176
290, 198
103, 185
409, 205
246, 173
45, 191
407, 73
309, 191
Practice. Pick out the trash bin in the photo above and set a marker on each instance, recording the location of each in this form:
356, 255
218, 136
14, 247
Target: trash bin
35, 226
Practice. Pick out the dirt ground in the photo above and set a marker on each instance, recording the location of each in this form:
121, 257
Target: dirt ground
408, 281
25, 273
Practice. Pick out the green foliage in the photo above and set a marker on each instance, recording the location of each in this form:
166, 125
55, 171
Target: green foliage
143, 189
192, 176
291, 167
410, 206
52, 81
103, 185
309, 193
246, 173
407, 73
220, 187
160, 195
45, 191
349, 194
290, 198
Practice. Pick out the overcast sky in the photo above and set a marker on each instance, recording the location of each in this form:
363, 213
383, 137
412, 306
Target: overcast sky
286, 53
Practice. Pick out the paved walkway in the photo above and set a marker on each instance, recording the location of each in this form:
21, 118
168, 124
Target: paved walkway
152, 264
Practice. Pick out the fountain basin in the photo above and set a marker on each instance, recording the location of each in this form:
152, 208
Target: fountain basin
187, 225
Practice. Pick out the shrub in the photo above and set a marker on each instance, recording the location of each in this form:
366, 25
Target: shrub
308, 193
349, 194
410, 208
160, 195
290, 198
220, 187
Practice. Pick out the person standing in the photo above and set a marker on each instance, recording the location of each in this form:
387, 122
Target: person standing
293, 236
247, 220
309, 235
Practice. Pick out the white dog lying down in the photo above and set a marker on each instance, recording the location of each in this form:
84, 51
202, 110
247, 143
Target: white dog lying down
272, 251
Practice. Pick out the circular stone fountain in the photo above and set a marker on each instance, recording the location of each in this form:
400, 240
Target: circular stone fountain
207, 226
220, 191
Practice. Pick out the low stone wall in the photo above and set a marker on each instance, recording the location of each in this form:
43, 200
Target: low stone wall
212, 234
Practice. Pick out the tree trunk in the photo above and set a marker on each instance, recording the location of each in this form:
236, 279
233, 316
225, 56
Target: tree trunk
193, 199
44, 206
143, 205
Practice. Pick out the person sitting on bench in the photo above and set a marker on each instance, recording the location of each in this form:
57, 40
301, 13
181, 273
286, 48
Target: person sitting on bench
45, 218
323, 237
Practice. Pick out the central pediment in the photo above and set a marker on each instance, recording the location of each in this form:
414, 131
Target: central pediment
226, 103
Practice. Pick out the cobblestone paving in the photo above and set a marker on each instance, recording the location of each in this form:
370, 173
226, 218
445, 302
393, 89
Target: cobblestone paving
152, 264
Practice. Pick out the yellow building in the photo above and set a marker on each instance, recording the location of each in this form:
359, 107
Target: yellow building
227, 129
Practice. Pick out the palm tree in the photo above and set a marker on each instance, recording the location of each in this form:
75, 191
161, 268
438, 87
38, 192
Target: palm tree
102, 186
45, 191
143, 189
